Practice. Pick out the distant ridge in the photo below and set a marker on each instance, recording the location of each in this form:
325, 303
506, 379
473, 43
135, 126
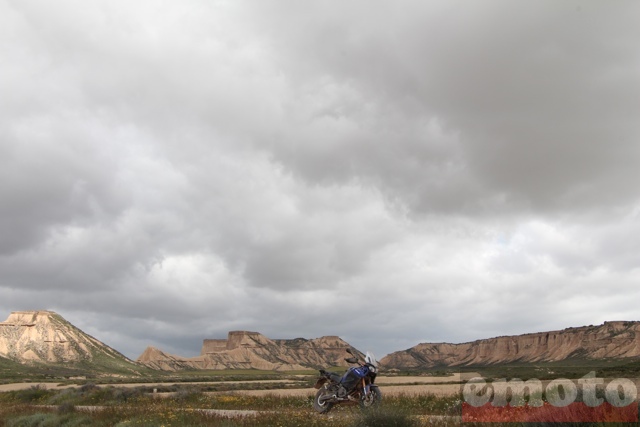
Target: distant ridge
252, 350
617, 339
43, 338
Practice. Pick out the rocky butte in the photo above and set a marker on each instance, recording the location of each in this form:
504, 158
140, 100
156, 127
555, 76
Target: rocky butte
619, 339
252, 350
44, 337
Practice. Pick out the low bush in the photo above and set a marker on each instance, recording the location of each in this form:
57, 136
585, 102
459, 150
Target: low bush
33, 394
49, 420
385, 418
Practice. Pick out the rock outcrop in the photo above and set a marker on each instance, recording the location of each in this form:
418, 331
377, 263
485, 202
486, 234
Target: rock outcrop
252, 350
620, 339
155, 358
44, 337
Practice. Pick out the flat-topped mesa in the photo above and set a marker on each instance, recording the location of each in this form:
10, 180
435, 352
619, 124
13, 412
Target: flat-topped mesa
235, 339
618, 339
247, 339
252, 350
27, 318
213, 346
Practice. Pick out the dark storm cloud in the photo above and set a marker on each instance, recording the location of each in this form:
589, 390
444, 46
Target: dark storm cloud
541, 98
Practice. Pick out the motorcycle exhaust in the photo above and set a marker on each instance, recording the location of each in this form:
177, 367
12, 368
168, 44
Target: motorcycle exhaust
327, 397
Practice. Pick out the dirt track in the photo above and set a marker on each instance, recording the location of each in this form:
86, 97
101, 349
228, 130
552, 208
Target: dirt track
389, 386
438, 389
56, 386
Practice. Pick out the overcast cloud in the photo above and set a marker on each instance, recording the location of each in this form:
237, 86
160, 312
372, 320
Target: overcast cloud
389, 172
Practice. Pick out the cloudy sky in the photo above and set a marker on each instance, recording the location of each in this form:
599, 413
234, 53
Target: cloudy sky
389, 172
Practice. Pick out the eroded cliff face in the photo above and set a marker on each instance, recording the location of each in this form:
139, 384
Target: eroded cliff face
252, 350
155, 358
45, 337
611, 340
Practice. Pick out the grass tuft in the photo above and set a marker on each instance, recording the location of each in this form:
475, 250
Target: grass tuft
386, 417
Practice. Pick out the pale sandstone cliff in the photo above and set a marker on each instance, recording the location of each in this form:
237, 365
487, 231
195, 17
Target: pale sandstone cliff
45, 337
619, 339
252, 350
157, 359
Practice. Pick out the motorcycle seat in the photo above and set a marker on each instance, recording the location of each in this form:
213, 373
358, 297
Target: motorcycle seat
334, 377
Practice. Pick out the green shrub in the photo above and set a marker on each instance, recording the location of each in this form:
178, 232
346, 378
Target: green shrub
123, 395
187, 394
88, 387
33, 394
66, 408
385, 418
68, 396
34, 420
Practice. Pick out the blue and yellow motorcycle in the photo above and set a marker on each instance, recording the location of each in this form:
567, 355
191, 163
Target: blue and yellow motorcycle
356, 386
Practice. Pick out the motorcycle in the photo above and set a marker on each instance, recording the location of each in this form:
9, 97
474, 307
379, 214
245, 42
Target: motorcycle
356, 386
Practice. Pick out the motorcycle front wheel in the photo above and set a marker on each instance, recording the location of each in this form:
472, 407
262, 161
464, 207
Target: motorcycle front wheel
373, 399
319, 406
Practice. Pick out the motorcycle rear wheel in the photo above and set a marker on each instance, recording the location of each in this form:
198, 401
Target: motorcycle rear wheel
322, 407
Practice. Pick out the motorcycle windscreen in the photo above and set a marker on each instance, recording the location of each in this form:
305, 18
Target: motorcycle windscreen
370, 358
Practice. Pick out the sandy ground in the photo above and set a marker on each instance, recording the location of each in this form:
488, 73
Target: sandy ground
389, 390
24, 386
388, 385
455, 378
54, 386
